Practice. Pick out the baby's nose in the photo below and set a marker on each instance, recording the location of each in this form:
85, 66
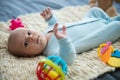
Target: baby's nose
30, 38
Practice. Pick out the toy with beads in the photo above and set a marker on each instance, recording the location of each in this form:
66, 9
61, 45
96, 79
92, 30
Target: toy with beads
51, 68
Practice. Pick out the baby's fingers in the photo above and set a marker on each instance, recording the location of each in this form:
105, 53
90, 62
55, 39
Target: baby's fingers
55, 29
48, 10
41, 14
64, 29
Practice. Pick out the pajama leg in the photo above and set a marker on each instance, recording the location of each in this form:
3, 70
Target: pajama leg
113, 30
117, 18
96, 12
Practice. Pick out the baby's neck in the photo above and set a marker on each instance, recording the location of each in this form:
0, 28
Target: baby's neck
49, 35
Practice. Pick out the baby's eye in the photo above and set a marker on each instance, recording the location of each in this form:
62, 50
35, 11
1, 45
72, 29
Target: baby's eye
25, 44
29, 33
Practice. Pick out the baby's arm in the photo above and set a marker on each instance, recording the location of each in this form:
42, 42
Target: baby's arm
48, 16
67, 49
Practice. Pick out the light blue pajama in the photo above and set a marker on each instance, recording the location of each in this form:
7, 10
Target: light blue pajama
95, 28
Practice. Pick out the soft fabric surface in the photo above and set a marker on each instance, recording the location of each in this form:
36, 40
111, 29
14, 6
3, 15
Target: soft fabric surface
86, 66
12, 8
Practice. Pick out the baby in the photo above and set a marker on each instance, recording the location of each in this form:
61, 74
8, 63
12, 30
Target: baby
95, 28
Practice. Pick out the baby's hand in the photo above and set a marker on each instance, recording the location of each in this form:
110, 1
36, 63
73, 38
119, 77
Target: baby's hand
46, 13
59, 34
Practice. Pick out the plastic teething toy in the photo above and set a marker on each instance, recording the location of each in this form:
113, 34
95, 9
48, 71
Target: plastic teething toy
108, 55
115, 59
116, 53
105, 51
16, 23
51, 68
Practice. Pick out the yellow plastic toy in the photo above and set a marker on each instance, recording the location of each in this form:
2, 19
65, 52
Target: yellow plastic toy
108, 55
113, 61
105, 51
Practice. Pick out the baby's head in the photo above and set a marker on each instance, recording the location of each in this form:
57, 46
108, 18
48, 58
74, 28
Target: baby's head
26, 42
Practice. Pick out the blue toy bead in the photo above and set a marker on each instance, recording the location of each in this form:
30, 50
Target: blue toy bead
116, 53
60, 62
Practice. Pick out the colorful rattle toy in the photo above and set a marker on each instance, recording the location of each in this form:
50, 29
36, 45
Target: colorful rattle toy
15, 23
108, 55
51, 68
104, 51
115, 59
116, 53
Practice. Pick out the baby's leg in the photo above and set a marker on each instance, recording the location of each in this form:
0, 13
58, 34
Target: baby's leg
112, 31
96, 12
116, 18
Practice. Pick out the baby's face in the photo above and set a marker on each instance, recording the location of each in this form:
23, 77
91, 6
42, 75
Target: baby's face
25, 42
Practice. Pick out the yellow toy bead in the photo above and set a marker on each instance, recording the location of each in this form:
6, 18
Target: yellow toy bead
53, 74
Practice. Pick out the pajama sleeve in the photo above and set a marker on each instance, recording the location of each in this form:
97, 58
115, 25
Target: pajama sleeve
67, 50
52, 21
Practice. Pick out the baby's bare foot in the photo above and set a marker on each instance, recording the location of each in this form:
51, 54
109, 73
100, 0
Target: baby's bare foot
46, 13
